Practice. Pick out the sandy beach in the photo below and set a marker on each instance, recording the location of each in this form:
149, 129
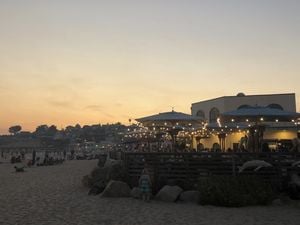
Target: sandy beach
54, 195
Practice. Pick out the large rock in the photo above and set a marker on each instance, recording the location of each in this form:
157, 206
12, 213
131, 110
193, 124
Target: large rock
169, 193
117, 172
105, 174
99, 174
116, 189
97, 188
99, 178
111, 162
190, 196
136, 193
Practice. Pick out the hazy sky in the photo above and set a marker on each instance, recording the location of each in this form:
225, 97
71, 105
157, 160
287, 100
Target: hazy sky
66, 61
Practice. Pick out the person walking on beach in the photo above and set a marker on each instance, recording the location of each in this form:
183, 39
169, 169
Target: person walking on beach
33, 157
145, 185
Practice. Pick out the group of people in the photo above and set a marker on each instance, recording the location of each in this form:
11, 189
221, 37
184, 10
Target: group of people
48, 158
16, 159
38, 158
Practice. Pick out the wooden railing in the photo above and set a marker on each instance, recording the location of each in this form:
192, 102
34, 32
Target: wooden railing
192, 166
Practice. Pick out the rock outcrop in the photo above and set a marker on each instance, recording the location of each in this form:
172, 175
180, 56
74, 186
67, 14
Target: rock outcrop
98, 179
136, 193
116, 189
168, 193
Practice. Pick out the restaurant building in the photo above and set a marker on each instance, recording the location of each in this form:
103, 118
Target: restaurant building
248, 121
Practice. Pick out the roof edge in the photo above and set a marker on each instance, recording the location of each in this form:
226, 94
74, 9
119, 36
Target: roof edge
231, 96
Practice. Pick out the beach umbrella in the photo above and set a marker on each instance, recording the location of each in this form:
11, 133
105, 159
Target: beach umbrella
169, 118
170, 122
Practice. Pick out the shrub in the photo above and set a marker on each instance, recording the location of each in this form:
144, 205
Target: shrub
105, 174
233, 191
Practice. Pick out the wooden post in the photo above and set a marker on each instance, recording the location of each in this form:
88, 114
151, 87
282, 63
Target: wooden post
233, 165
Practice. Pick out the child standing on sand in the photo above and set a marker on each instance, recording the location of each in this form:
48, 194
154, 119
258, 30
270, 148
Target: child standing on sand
145, 185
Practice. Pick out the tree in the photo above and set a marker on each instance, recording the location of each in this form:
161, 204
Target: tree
15, 129
52, 130
77, 126
41, 130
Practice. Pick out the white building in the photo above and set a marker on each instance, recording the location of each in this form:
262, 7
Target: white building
278, 133
212, 108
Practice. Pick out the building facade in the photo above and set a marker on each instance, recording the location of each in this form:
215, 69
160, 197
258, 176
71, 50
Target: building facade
211, 109
276, 133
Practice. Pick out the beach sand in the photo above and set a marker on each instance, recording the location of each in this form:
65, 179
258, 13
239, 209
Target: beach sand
55, 195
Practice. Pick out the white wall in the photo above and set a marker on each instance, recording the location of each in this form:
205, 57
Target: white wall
229, 103
280, 134
287, 101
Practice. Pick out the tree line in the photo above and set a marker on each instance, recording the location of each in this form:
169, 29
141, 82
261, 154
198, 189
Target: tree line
51, 135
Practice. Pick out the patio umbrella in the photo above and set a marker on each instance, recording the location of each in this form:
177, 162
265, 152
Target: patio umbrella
171, 122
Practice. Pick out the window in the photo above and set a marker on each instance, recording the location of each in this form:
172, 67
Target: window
275, 106
214, 115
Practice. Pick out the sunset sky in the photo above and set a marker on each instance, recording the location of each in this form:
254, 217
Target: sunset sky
68, 61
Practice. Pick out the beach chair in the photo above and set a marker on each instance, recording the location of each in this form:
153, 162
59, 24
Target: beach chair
19, 168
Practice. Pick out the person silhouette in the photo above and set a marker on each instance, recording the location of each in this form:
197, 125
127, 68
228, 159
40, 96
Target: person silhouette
145, 185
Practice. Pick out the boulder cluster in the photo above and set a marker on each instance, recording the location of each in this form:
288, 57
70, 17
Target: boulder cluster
111, 180
103, 178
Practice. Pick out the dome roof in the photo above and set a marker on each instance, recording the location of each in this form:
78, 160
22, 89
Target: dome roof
241, 94
169, 116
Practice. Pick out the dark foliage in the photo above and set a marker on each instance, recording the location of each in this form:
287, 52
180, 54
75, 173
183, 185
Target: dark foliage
15, 129
233, 191
100, 177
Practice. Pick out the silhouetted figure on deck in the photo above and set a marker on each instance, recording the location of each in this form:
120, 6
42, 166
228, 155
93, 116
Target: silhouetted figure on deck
243, 149
265, 148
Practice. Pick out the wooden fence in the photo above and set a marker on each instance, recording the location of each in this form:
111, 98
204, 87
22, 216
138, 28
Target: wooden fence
190, 167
